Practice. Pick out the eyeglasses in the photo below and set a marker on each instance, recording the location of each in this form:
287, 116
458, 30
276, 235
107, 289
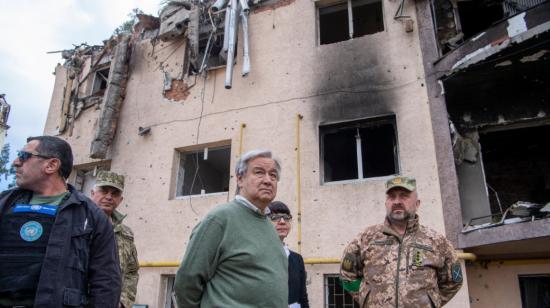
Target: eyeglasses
24, 155
277, 217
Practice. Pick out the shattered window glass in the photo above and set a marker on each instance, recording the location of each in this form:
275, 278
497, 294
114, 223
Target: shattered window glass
84, 177
101, 79
204, 171
335, 24
359, 149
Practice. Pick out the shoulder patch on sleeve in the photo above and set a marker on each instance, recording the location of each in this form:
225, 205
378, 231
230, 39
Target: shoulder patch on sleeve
456, 271
348, 262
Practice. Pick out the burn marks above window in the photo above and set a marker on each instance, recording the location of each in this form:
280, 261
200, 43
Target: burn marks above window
351, 19
359, 149
203, 171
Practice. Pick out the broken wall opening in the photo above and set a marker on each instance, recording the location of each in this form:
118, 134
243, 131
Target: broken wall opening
456, 21
83, 177
101, 80
517, 165
359, 149
500, 108
476, 16
212, 53
334, 20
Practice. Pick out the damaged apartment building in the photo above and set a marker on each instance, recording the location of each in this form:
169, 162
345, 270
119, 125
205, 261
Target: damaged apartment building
346, 94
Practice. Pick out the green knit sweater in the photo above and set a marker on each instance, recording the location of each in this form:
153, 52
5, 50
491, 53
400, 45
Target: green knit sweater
234, 259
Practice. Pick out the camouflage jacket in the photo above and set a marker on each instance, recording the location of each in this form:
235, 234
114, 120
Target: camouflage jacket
129, 264
382, 269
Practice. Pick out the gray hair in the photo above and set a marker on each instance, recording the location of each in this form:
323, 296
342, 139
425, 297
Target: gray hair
242, 165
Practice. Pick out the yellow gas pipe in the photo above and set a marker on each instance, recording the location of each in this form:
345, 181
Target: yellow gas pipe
243, 125
299, 118
461, 255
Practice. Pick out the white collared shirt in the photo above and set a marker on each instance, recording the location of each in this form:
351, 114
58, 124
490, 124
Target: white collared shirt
287, 251
251, 206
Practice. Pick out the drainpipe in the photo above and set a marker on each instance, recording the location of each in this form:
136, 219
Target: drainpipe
299, 118
350, 20
218, 5
244, 22
227, 18
233, 20
243, 125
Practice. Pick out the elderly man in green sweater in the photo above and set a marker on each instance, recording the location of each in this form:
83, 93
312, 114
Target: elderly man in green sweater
234, 257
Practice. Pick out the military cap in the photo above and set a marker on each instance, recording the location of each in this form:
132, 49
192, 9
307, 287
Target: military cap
409, 183
109, 178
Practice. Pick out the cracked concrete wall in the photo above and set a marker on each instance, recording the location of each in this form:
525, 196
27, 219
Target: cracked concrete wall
290, 74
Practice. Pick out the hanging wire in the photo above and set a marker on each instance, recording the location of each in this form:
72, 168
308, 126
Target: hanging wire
399, 12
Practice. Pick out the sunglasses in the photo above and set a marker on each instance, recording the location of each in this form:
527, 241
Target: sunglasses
277, 217
24, 155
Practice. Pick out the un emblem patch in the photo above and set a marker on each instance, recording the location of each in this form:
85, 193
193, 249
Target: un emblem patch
31, 231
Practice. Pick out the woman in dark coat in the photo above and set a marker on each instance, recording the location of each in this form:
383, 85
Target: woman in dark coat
297, 292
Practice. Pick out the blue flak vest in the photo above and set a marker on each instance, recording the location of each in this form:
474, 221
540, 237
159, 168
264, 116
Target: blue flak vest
24, 233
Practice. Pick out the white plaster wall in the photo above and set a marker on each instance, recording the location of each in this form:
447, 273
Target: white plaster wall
290, 74
496, 284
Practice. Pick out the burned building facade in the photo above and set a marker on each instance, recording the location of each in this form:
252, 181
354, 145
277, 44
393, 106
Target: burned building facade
490, 92
345, 93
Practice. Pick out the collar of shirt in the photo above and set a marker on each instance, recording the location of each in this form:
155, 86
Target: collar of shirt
251, 206
287, 251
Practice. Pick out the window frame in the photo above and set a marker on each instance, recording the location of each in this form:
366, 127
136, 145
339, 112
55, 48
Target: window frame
323, 4
364, 123
79, 172
326, 292
95, 88
177, 174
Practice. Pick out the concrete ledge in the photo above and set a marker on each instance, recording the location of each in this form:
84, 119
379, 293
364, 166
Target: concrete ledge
505, 233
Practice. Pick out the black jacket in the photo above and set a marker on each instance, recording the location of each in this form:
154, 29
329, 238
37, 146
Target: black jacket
297, 291
81, 265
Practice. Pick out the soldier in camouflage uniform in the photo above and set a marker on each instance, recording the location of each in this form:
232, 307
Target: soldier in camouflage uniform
107, 194
401, 263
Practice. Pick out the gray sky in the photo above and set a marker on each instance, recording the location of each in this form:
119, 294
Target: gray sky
29, 29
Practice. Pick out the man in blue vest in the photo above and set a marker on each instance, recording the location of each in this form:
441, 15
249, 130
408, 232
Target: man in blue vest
57, 248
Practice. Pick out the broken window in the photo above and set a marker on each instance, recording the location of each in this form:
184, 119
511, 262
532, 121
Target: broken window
169, 300
203, 171
359, 149
476, 16
516, 166
207, 42
215, 58
349, 20
456, 21
335, 295
101, 78
84, 177
535, 290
